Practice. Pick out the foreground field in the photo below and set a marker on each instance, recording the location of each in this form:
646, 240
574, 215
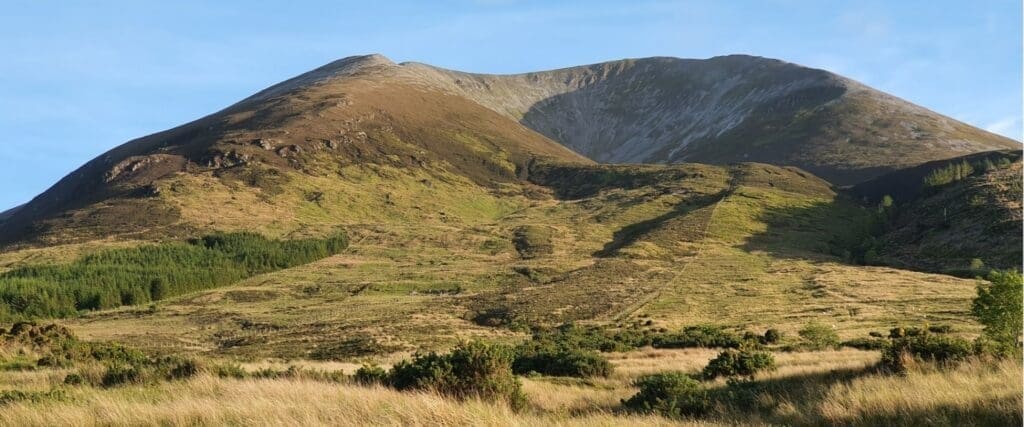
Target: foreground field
814, 388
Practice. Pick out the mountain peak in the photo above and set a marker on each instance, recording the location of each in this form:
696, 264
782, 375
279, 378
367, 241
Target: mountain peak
347, 66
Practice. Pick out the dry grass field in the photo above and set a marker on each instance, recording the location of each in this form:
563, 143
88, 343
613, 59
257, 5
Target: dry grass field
813, 388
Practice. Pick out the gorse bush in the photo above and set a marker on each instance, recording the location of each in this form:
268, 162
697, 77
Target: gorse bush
672, 394
738, 363
231, 370
554, 359
941, 349
472, 369
771, 336
116, 277
371, 374
873, 343
818, 336
595, 338
148, 370
121, 374
298, 372
699, 336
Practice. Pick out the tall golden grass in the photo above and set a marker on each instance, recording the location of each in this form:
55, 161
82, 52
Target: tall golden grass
808, 389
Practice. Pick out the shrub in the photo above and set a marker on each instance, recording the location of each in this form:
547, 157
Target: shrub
818, 336
13, 396
74, 378
157, 289
473, 369
998, 306
771, 336
231, 370
371, 374
874, 343
671, 394
744, 363
941, 349
553, 359
178, 369
940, 329
297, 372
118, 374
594, 338
698, 336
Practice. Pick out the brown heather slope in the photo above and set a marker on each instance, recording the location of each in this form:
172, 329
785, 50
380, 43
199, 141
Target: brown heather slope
348, 118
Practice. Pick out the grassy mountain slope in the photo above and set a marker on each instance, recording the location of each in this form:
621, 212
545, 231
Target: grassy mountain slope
337, 145
746, 247
951, 227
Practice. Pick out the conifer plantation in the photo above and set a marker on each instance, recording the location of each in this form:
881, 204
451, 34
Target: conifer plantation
117, 277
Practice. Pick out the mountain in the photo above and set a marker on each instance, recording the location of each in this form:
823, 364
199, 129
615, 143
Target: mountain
723, 110
286, 151
367, 211
364, 139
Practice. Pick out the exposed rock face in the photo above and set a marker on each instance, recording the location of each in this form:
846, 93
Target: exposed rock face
144, 168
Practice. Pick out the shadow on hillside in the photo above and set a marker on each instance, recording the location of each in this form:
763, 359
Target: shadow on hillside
824, 229
632, 233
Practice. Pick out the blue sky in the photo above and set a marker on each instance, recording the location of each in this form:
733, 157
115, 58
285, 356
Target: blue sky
80, 77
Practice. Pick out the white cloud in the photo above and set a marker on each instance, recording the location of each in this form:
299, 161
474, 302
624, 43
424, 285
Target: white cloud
1009, 127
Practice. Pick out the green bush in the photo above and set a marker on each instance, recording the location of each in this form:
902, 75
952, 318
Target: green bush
771, 336
595, 338
941, 349
866, 343
738, 363
672, 394
473, 369
559, 360
818, 336
371, 374
231, 370
177, 369
998, 306
14, 396
74, 378
119, 374
698, 336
